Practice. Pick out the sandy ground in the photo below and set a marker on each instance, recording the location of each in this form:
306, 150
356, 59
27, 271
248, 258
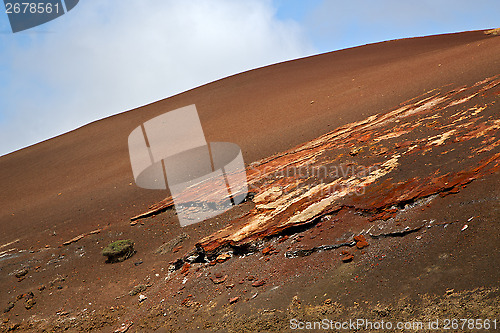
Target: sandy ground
81, 182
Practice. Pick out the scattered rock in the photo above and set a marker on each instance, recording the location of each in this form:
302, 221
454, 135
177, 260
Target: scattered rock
138, 289
259, 283
327, 301
360, 241
125, 326
223, 257
347, 258
172, 244
29, 303
41, 288
119, 251
295, 300
175, 265
355, 151
234, 300
77, 238
269, 250
14, 327
185, 268
20, 272
384, 214
217, 280
282, 239
9, 306
142, 298
72, 240
381, 312
56, 280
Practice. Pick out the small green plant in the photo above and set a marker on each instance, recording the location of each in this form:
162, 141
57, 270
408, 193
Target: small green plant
119, 250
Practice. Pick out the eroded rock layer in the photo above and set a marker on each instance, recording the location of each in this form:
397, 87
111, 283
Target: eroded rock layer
434, 144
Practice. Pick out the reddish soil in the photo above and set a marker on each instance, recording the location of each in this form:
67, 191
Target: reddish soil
420, 244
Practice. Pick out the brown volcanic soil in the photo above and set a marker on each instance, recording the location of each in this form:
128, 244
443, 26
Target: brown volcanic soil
81, 181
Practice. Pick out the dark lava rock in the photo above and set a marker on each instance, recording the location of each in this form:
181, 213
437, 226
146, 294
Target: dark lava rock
119, 251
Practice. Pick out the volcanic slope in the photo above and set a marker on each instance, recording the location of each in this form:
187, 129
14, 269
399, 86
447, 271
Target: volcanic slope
393, 213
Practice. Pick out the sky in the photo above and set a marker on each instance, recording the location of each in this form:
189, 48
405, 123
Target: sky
108, 56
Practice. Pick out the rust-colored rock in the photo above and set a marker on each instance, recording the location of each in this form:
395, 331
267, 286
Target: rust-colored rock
360, 241
269, 250
185, 268
400, 164
218, 280
234, 299
259, 283
347, 258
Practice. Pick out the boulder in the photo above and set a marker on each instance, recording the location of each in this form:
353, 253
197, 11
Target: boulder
119, 251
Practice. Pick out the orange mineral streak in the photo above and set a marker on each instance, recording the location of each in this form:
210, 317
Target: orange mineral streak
355, 165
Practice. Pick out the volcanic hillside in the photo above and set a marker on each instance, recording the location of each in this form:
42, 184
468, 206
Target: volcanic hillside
393, 214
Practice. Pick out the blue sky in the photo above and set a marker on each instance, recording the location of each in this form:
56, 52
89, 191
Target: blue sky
108, 56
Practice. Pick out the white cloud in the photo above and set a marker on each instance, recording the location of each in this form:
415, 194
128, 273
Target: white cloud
104, 57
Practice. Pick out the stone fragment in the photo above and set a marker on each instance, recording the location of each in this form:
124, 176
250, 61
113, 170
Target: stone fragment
172, 244
185, 268
9, 306
347, 258
223, 257
29, 303
20, 272
119, 251
137, 289
216, 280
360, 241
259, 283
234, 300
269, 250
